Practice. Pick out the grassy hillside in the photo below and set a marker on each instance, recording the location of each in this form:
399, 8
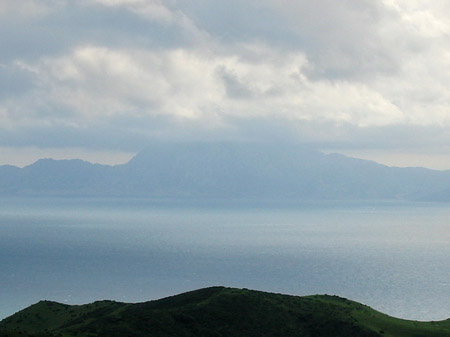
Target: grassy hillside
217, 311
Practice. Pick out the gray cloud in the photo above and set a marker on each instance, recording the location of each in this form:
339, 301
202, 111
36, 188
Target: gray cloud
116, 74
14, 81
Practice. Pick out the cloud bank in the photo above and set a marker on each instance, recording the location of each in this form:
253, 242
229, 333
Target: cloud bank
116, 74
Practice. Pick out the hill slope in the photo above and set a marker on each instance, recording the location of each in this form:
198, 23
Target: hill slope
217, 311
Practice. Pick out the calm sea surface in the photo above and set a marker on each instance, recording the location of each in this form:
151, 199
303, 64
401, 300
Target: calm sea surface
394, 257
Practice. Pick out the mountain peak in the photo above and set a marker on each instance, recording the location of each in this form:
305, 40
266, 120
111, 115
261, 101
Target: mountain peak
228, 170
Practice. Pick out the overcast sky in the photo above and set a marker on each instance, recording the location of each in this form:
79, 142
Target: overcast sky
99, 79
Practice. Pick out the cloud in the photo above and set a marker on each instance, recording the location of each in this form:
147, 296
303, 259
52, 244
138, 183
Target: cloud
26, 9
362, 73
93, 82
428, 19
153, 10
157, 11
103, 99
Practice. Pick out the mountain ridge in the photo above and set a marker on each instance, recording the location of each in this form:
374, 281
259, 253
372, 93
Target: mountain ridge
228, 170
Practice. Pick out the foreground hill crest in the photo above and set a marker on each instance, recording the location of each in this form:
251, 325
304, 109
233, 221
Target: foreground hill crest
217, 311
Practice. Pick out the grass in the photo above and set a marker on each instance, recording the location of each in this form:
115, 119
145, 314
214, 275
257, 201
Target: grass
217, 311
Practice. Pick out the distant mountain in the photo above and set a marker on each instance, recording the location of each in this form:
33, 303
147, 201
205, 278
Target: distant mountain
228, 170
216, 311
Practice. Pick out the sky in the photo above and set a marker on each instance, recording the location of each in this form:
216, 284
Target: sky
99, 79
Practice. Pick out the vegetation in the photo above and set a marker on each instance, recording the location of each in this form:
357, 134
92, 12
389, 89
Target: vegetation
216, 311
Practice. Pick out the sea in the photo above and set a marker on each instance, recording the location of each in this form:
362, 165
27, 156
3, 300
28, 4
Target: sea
392, 256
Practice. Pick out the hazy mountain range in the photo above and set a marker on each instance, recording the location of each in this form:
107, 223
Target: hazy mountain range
228, 170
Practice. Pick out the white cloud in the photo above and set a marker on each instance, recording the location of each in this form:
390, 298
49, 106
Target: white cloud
96, 82
348, 65
426, 18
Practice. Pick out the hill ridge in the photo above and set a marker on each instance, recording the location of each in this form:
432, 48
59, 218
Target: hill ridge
217, 311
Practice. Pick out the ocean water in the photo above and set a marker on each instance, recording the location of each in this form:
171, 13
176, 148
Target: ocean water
394, 257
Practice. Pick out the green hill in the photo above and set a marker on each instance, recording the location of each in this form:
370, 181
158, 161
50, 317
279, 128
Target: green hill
217, 311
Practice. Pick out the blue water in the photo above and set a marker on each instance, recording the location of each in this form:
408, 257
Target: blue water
391, 256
